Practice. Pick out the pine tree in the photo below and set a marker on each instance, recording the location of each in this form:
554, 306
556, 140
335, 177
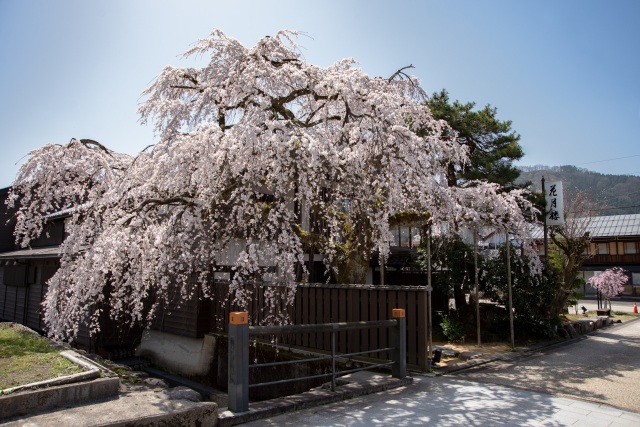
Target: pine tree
492, 144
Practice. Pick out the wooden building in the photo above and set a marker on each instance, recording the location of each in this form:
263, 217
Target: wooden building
615, 242
23, 285
24, 274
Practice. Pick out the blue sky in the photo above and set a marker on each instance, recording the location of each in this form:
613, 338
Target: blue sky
567, 73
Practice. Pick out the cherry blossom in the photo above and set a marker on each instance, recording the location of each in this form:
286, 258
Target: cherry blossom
609, 283
261, 158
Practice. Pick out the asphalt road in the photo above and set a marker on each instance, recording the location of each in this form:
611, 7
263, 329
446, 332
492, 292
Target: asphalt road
603, 367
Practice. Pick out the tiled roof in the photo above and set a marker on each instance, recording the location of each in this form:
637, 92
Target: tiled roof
37, 253
615, 225
607, 226
67, 212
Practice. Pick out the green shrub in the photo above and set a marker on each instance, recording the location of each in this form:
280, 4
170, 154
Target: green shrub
452, 328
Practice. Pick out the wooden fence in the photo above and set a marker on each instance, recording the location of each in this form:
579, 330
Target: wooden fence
313, 304
352, 303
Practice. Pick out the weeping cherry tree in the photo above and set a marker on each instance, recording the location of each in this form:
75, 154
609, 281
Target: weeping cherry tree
261, 157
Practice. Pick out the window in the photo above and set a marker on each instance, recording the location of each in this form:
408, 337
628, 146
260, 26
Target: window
16, 275
602, 248
635, 280
405, 237
586, 275
630, 248
416, 239
221, 275
395, 232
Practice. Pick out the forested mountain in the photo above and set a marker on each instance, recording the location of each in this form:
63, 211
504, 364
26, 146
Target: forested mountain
614, 194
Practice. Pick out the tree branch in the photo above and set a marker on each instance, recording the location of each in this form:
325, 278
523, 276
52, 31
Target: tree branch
400, 72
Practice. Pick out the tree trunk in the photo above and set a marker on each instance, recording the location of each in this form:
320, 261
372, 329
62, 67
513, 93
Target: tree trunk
354, 269
459, 296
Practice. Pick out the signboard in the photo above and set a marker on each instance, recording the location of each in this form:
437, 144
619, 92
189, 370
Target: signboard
555, 203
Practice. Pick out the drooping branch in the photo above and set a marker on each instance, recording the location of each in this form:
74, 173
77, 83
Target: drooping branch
88, 142
261, 156
401, 72
170, 201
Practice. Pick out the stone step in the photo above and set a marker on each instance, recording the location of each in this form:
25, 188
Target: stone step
208, 393
132, 408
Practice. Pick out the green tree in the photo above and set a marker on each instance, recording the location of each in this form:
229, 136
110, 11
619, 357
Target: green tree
533, 295
492, 145
452, 263
568, 249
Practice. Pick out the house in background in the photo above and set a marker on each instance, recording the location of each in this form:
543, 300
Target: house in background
24, 272
23, 283
181, 336
615, 242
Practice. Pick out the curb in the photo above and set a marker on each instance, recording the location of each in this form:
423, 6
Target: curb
96, 397
42, 399
134, 408
77, 388
523, 352
202, 415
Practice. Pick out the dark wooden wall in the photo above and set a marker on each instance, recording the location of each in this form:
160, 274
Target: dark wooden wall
327, 303
7, 223
22, 302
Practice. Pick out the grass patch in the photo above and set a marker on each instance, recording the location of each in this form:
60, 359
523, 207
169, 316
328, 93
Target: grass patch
26, 357
615, 315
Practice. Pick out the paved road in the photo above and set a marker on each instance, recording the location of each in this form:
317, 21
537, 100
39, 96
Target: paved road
448, 401
584, 383
602, 367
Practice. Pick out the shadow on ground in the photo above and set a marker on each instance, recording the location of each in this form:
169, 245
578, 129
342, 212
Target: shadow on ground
603, 367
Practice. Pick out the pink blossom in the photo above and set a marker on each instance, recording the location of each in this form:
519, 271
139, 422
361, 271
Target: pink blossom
610, 283
256, 148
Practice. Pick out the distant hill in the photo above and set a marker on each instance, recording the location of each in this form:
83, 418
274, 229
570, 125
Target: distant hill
615, 194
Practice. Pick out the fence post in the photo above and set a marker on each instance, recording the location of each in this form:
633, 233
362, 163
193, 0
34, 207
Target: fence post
399, 354
333, 358
238, 380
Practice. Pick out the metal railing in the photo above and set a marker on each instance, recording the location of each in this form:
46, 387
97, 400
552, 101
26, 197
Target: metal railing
240, 331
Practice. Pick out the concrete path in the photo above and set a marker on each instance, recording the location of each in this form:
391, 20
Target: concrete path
446, 401
603, 367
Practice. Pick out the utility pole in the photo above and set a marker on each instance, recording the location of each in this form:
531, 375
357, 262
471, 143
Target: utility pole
508, 243
429, 289
546, 240
475, 265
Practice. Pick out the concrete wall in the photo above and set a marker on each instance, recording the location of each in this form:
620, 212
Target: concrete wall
182, 355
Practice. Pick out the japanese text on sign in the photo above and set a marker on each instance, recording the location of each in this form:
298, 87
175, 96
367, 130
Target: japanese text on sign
555, 204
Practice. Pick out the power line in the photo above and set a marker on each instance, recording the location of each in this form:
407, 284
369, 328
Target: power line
605, 209
608, 160
620, 196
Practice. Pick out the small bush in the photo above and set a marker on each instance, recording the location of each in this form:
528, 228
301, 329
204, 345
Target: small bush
452, 328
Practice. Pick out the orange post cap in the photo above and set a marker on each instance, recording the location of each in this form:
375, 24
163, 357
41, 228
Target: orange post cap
397, 313
238, 318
